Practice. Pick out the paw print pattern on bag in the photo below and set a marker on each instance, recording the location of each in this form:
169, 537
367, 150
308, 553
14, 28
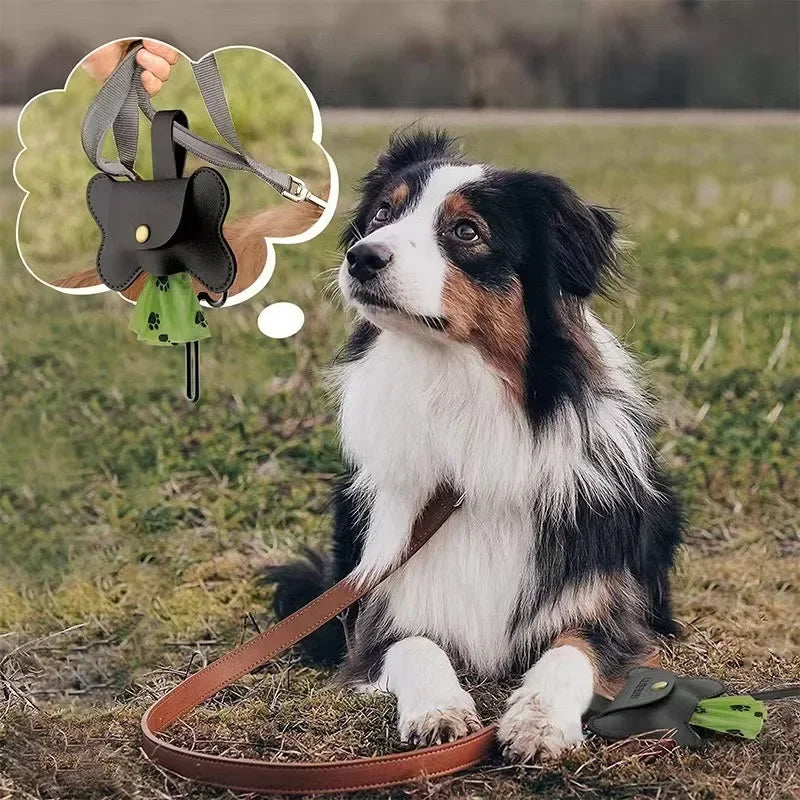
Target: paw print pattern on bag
153, 321
162, 282
200, 319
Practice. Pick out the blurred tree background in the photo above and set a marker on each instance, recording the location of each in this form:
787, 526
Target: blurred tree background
449, 53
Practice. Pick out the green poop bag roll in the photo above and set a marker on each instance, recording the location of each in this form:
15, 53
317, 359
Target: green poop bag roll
168, 312
742, 715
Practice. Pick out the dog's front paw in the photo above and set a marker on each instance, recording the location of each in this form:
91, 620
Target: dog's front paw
422, 728
530, 730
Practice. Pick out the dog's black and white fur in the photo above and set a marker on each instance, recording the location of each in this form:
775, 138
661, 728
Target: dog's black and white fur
477, 362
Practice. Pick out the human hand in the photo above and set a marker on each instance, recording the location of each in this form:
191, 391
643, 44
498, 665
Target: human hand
155, 58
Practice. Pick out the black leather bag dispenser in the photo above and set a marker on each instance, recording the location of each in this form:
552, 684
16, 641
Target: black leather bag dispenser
166, 225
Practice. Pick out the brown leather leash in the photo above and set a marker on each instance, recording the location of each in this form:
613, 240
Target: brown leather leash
305, 777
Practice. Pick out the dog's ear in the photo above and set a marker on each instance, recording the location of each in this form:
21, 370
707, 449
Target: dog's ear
407, 147
582, 241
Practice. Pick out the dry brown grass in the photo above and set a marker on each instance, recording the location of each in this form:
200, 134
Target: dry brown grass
74, 749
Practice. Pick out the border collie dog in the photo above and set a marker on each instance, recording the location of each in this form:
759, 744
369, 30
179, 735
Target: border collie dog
476, 362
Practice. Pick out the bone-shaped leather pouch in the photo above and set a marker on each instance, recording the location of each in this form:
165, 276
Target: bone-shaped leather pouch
163, 226
655, 701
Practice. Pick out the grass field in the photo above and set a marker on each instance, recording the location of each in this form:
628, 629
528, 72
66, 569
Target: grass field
133, 527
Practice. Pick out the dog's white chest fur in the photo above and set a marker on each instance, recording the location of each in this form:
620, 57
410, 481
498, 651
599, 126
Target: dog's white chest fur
461, 590
416, 413
413, 415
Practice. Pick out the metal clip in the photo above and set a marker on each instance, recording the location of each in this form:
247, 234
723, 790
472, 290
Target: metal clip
298, 192
218, 303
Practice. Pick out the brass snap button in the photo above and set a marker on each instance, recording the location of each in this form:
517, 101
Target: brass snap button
142, 233
659, 685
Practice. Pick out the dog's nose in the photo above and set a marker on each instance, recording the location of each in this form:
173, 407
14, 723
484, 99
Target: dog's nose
365, 260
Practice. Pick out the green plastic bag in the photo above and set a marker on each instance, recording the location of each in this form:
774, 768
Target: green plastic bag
168, 312
739, 716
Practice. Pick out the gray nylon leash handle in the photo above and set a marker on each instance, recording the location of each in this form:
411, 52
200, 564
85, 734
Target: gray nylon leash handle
114, 107
116, 104
126, 131
209, 82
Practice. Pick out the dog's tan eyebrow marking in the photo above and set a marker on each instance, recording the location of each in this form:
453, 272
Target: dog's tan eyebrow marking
457, 205
399, 194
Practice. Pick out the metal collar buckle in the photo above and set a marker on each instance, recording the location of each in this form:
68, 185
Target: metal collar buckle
298, 192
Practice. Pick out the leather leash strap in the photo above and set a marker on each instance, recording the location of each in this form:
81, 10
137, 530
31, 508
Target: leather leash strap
305, 777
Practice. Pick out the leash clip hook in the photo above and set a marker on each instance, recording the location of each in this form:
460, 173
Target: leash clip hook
298, 192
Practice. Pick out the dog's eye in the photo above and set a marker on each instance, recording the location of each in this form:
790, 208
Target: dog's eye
465, 231
382, 214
